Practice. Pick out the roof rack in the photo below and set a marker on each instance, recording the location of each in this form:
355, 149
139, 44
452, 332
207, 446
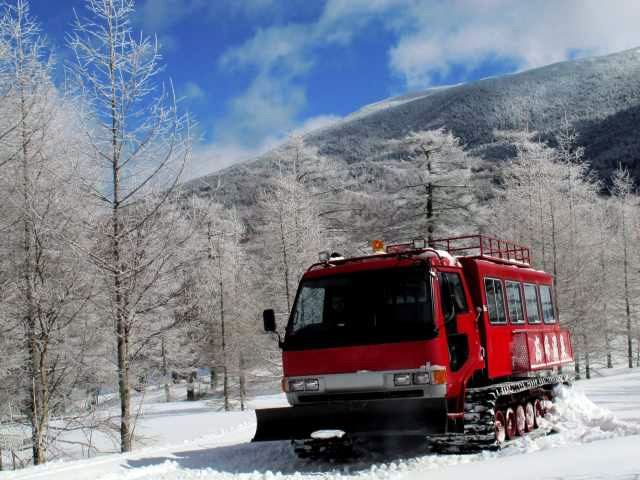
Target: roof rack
484, 246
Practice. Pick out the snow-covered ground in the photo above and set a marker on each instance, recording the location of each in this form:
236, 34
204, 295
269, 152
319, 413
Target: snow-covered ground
598, 437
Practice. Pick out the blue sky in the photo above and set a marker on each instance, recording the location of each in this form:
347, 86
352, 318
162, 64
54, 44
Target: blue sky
254, 71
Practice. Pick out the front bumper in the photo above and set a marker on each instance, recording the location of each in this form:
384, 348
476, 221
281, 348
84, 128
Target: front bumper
389, 417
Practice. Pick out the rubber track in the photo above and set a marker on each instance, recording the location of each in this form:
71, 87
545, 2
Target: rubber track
479, 407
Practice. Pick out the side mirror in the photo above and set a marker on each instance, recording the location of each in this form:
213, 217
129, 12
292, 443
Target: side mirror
269, 320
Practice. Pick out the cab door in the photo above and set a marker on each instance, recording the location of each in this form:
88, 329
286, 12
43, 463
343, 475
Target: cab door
461, 330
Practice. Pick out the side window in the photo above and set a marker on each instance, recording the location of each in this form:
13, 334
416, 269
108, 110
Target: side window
531, 300
452, 293
495, 300
514, 301
546, 301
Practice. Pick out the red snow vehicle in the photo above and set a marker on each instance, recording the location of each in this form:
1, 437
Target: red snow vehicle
457, 341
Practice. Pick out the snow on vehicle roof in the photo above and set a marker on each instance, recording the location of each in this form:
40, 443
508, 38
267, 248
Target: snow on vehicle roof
444, 254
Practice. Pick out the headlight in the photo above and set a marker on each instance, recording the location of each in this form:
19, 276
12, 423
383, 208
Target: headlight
402, 379
296, 385
421, 378
311, 384
304, 384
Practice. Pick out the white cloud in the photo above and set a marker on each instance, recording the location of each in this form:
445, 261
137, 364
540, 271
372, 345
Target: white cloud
315, 123
292, 44
159, 15
209, 158
249, 8
269, 47
268, 107
271, 105
192, 91
167, 43
433, 37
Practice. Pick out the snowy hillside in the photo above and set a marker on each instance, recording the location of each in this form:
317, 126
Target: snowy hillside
600, 96
597, 423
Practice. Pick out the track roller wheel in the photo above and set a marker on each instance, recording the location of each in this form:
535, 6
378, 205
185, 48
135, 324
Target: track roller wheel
529, 416
499, 425
510, 424
521, 421
539, 409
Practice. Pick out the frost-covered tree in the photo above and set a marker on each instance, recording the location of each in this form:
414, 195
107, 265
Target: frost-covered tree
46, 294
225, 295
626, 203
431, 187
291, 232
604, 227
138, 145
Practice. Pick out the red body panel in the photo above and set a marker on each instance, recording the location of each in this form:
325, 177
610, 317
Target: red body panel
539, 350
388, 356
499, 340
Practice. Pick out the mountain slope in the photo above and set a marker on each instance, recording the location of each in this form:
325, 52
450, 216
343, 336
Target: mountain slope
600, 96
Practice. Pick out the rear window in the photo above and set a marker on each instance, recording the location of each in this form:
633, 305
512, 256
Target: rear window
531, 300
514, 302
546, 301
495, 300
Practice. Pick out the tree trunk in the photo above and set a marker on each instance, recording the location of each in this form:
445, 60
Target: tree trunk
587, 365
28, 279
242, 383
542, 231
222, 326
225, 389
605, 320
554, 251
123, 386
122, 330
43, 413
626, 290
607, 339
27, 263
587, 368
165, 372
430, 213
285, 262
430, 228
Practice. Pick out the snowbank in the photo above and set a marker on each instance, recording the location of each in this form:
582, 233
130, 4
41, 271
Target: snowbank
585, 440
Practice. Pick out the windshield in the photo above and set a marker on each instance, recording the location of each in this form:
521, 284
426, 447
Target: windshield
362, 308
